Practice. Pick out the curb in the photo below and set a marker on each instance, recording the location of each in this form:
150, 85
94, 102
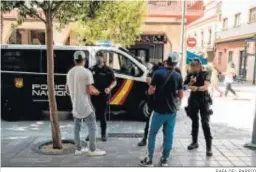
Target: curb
36, 148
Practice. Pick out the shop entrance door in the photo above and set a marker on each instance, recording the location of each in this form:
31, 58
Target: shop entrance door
242, 64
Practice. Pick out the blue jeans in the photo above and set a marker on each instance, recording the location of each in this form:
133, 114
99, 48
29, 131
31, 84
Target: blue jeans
156, 121
91, 123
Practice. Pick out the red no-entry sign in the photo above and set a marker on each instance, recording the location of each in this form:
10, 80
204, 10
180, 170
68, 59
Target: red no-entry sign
191, 42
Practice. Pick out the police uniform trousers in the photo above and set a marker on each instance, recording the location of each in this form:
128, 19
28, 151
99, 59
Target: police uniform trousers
196, 106
100, 104
145, 136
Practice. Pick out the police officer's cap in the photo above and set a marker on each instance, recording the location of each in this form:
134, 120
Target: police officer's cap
79, 55
173, 57
196, 62
100, 54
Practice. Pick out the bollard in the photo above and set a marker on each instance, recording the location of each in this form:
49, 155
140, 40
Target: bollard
252, 145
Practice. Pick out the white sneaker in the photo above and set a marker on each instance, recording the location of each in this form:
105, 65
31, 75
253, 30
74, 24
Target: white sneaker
78, 152
85, 150
82, 151
97, 152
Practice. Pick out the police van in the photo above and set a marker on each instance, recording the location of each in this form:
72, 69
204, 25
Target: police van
24, 79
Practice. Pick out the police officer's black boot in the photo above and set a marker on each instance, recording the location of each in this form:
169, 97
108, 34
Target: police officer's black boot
209, 148
143, 142
194, 144
104, 138
103, 134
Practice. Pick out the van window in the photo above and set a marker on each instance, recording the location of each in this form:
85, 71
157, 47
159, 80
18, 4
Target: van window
121, 64
23, 60
63, 60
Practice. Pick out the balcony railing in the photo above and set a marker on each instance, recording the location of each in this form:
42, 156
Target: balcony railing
174, 8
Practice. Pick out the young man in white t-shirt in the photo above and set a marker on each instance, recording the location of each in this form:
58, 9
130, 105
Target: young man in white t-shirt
79, 85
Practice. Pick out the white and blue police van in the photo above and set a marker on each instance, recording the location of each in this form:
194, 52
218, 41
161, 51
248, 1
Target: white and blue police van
24, 79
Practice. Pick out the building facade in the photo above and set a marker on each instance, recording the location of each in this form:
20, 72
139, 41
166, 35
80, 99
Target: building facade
234, 38
204, 30
160, 32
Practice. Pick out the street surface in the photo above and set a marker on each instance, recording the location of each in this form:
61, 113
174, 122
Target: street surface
231, 127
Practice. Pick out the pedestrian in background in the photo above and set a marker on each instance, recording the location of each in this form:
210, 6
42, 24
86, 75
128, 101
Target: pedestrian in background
166, 86
215, 80
80, 86
229, 79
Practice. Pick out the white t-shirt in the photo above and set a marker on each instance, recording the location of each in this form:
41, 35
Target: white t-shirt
78, 78
229, 76
214, 78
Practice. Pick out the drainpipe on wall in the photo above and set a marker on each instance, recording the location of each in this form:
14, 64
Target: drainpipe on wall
254, 74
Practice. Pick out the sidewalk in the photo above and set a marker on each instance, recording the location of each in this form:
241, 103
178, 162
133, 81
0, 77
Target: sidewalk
18, 138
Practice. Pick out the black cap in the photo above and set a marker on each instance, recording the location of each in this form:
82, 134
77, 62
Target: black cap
195, 62
99, 54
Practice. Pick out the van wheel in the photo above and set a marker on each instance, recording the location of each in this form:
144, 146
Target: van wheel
144, 110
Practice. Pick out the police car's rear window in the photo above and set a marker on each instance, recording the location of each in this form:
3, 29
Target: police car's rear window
63, 60
20, 60
35, 60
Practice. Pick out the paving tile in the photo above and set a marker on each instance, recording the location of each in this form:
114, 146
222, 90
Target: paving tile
220, 158
174, 163
221, 148
238, 163
227, 153
250, 161
28, 162
212, 164
8, 155
226, 163
16, 145
233, 158
190, 158
198, 163
238, 153
179, 150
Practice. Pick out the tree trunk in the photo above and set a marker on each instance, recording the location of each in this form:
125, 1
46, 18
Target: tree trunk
2, 27
56, 137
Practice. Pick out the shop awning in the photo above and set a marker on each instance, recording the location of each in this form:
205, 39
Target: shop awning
191, 55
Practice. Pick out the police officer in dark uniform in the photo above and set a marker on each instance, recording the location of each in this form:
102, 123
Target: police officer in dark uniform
155, 67
104, 81
199, 100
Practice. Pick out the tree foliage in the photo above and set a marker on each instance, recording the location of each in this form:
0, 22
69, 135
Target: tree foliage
118, 21
62, 11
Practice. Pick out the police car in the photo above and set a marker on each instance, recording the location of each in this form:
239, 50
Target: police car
24, 79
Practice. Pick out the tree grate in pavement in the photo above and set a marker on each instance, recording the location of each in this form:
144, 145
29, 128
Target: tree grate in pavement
125, 135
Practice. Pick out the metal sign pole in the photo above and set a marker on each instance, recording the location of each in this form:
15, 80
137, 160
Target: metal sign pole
252, 145
182, 32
